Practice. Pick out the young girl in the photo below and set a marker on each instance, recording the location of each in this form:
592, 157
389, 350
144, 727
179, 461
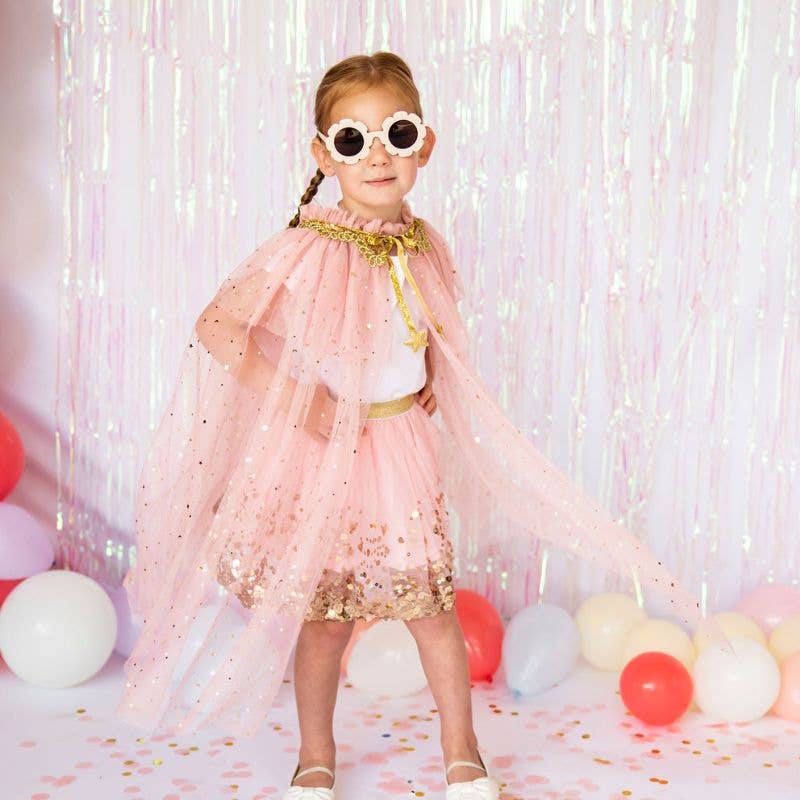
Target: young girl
297, 464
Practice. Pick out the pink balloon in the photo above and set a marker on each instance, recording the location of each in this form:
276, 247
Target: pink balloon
25, 547
770, 604
788, 703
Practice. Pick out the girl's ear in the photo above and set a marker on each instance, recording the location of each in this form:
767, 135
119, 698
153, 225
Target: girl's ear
322, 157
427, 147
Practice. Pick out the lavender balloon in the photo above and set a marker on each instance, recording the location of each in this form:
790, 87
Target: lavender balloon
540, 648
128, 629
25, 547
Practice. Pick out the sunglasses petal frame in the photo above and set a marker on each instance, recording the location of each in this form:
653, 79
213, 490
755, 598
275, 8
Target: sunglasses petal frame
368, 136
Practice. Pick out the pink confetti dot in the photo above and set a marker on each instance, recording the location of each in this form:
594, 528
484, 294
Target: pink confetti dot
27, 743
40, 796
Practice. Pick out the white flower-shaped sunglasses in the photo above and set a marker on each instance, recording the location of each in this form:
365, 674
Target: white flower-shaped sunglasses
348, 140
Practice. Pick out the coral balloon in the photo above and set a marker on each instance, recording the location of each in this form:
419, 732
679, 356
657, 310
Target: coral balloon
662, 636
6, 587
788, 703
784, 640
770, 604
604, 621
483, 633
656, 688
12, 457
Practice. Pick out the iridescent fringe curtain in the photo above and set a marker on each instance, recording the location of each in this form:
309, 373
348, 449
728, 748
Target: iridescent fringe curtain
619, 183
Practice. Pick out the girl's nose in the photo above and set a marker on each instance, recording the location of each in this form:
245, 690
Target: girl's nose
377, 152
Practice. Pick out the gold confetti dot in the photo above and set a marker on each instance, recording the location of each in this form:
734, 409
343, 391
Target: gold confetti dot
81, 711
627, 792
126, 774
767, 764
655, 750
140, 739
173, 744
228, 744
112, 740
157, 761
128, 762
586, 736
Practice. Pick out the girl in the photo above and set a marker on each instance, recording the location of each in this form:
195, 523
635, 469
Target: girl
297, 464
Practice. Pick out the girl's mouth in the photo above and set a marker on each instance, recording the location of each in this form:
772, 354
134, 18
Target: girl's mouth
384, 182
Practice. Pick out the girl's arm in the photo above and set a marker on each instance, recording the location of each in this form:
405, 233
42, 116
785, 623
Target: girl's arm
222, 336
426, 396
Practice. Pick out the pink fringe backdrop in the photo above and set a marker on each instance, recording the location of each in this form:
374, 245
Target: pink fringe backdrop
618, 182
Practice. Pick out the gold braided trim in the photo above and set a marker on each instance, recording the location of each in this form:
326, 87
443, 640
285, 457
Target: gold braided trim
375, 247
390, 408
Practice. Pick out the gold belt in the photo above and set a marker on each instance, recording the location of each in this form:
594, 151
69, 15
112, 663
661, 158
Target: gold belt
390, 408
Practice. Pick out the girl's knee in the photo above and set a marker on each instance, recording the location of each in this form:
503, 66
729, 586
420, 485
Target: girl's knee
431, 625
328, 632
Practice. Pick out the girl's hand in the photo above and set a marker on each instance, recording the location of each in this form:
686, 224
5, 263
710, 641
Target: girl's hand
426, 397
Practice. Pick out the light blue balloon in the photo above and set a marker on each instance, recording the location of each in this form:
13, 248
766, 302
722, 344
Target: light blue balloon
540, 648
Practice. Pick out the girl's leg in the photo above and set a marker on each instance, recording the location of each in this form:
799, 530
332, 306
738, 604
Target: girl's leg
317, 663
440, 641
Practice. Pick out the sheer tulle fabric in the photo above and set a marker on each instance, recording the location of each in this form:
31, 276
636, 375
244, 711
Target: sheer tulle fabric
238, 491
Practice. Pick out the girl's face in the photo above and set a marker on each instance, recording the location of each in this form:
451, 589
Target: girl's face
360, 194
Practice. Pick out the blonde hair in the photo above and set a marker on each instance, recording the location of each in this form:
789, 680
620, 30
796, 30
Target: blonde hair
357, 73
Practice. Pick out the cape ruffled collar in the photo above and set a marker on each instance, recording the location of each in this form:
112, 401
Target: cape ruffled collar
340, 216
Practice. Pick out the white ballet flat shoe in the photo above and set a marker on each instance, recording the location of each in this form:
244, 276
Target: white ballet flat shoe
308, 792
485, 788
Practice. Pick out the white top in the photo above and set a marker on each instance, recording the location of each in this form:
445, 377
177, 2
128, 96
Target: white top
404, 371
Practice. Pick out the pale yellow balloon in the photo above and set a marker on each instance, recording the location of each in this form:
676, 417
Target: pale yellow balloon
785, 638
604, 621
732, 624
662, 636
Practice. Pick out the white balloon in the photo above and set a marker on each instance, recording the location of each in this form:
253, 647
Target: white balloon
385, 661
736, 687
57, 629
540, 647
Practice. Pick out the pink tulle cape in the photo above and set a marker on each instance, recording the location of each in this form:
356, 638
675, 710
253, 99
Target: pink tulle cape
240, 489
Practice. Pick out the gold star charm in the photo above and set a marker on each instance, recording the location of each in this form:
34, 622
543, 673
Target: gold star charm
417, 339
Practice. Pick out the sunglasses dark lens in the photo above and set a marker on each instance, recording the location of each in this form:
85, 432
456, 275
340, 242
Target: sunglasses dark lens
348, 141
403, 134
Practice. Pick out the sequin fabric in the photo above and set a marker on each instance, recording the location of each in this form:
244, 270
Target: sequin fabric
393, 558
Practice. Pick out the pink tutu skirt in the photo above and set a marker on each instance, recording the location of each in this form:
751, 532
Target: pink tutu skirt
393, 558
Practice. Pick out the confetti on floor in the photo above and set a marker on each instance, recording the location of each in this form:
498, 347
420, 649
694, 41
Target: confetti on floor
573, 742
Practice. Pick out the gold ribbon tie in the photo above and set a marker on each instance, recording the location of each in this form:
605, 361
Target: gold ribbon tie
375, 247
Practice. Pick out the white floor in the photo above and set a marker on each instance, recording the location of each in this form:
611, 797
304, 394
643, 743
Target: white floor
575, 741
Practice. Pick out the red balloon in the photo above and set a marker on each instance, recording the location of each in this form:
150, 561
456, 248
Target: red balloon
7, 586
656, 687
12, 457
483, 633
